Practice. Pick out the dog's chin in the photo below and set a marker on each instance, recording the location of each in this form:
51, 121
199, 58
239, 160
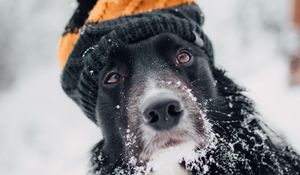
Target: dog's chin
171, 142
185, 137
169, 139
179, 142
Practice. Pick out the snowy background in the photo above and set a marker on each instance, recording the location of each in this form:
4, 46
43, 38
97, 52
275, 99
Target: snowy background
44, 132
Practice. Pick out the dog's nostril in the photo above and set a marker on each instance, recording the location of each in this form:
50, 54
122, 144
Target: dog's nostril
153, 117
174, 110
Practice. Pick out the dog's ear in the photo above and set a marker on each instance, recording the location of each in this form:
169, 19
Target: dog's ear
198, 40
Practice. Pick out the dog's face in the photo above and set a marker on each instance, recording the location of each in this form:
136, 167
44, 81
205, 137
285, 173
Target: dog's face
152, 95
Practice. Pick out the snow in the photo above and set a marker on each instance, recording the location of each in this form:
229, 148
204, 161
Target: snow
44, 132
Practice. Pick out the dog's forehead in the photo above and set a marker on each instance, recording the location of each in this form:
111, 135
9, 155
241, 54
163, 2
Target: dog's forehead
161, 40
148, 46
153, 49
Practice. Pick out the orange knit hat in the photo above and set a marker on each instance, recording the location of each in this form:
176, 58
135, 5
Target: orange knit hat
103, 10
98, 27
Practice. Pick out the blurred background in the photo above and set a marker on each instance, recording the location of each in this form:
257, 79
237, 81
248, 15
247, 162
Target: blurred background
44, 132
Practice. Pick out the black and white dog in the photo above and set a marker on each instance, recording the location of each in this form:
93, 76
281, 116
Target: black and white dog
146, 77
164, 109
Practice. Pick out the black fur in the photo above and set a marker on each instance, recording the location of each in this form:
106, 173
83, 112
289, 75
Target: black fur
240, 143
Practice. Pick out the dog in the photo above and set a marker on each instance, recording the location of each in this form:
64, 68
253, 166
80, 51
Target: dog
163, 106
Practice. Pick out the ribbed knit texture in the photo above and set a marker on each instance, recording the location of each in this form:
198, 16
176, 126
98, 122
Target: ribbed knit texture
80, 74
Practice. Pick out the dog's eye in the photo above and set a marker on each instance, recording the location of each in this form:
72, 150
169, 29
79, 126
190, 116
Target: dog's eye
112, 78
183, 57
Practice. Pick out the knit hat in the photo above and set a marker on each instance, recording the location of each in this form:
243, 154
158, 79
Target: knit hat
98, 26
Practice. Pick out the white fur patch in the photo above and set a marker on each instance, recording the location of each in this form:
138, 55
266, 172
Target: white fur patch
167, 161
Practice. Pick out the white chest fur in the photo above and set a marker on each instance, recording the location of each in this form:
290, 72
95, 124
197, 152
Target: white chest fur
169, 169
166, 161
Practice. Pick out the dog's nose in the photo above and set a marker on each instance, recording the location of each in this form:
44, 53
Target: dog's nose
163, 114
